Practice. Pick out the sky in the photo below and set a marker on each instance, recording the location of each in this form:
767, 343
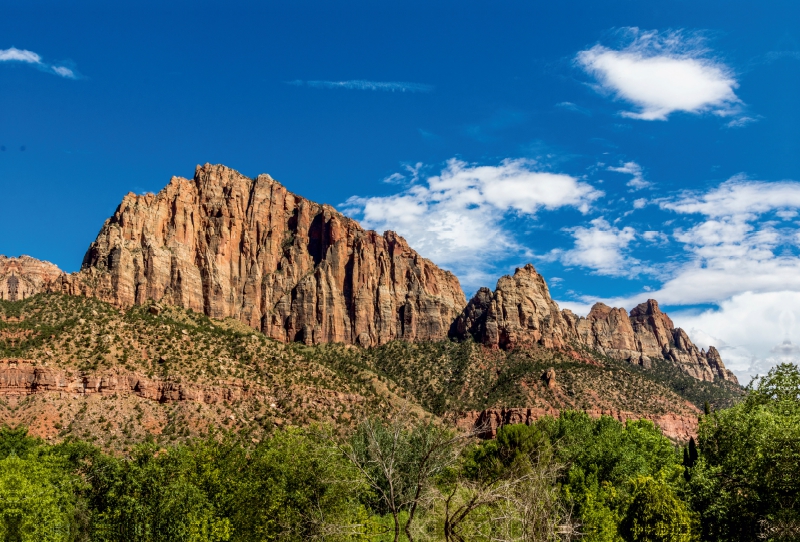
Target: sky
629, 150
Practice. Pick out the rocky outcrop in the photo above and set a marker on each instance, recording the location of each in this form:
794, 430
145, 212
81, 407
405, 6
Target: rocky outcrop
521, 311
23, 277
230, 246
20, 377
647, 334
487, 422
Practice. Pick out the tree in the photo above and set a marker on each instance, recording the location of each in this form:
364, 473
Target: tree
506, 489
655, 514
401, 464
36, 501
745, 483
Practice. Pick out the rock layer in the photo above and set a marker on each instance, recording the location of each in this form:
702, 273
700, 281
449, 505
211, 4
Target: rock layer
231, 246
23, 277
486, 422
521, 311
21, 377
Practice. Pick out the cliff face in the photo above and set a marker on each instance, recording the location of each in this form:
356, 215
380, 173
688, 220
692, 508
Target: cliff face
23, 277
521, 311
230, 246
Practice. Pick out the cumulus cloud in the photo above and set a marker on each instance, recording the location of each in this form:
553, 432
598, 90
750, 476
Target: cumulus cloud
29, 57
739, 197
633, 169
602, 248
740, 256
457, 218
753, 331
359, 84
661, 73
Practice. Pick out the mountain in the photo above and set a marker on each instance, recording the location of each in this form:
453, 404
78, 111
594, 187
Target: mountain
23, 277
75, 366
520, 311
230, 246
229, 301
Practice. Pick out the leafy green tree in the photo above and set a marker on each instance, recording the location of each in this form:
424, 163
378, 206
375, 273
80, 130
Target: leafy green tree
505, 489
655, 514
745, 483
603, 457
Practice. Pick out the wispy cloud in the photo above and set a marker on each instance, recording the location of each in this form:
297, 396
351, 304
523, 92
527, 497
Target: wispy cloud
360, 84
661, 73
462, 212
29, 57
637, 181
569, 106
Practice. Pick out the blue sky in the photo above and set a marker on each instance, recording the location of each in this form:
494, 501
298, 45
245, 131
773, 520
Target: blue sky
627, 149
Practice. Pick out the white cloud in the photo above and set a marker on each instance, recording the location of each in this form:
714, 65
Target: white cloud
359, 84
29, 57
569, 106
633, 169
457, 218
661, 74
639, 203
602, 248
739, 197
741, 255
753, 331
19, 55
654, 236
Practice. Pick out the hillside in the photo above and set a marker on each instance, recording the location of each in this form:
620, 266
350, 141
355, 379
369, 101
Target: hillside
87, 369
225, 301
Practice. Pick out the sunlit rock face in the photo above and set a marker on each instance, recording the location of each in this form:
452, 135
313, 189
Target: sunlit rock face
230, 246
22, 277
520, 311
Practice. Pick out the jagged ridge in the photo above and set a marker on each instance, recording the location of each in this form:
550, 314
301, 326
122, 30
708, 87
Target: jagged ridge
230, 246
520, 311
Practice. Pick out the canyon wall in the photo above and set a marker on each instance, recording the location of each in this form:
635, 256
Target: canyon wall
22, 277
230, 246
520, 311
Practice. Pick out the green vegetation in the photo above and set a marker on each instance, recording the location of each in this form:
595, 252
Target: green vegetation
571, 477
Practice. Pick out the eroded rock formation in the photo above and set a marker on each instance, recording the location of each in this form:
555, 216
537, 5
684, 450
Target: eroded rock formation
23, 277
230, 246
520, 311
486, 422
21, 377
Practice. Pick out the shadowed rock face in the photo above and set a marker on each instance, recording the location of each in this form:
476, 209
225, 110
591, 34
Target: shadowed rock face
231, 246
520, 311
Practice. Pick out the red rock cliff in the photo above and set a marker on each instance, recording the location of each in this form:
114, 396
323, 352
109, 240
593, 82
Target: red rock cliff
23, 277
230, 246
521, 311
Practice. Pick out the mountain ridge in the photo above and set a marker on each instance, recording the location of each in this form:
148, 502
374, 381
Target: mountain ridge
230, 246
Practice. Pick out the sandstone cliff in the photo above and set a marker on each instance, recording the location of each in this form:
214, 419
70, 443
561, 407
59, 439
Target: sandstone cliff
521, 311
230, 246
22, 277
677, 427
